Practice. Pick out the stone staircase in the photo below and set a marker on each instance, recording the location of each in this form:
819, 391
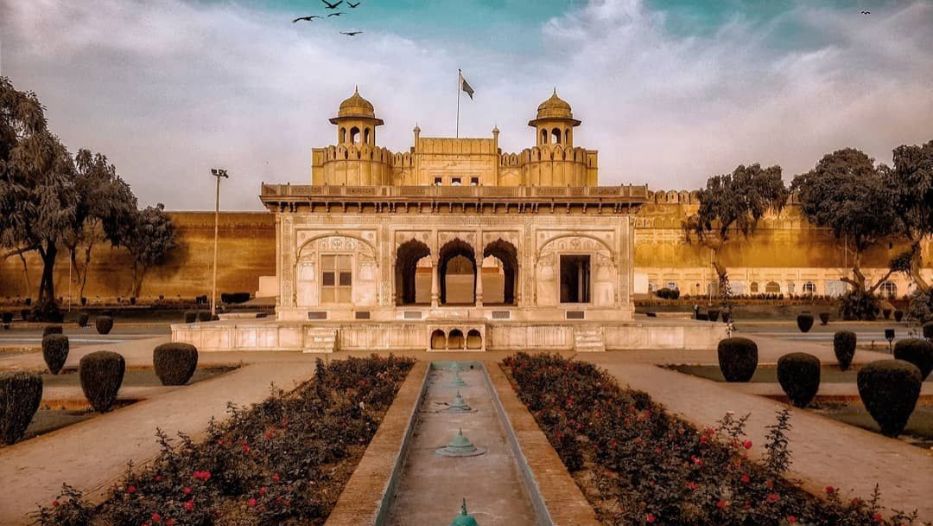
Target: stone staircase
321, 340
588, 339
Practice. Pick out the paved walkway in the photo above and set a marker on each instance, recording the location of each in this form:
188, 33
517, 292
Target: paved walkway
824, 452
92, 455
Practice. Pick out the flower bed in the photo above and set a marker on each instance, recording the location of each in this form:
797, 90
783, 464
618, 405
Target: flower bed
283, 461
637, 464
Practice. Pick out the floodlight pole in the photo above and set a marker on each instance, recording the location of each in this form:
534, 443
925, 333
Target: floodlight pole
218, 174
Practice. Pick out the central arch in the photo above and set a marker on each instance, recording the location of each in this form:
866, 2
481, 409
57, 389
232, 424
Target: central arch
507, 254
406, 266
464, 254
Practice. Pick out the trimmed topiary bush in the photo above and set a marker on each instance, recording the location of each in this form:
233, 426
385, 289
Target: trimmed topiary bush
51, 329
890, 389
738, 359
191, 316
55, 351
918, 352
805, 322
844, 348
799, 376
20, 394
175, 363
713, 315
898, 315
104, 324
667, 293
234, 297
204, 315
928, 330
101, 375
7, 319
824, 318
886, 313
83, 318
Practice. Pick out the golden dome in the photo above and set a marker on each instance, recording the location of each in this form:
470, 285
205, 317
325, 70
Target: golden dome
554, 108
356, 106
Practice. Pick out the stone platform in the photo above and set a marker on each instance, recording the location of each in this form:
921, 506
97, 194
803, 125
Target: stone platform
446, 334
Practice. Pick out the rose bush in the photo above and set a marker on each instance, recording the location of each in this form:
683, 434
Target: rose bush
282, 461
638, 464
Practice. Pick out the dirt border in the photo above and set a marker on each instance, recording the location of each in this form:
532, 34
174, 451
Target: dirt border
363, 500
564, 501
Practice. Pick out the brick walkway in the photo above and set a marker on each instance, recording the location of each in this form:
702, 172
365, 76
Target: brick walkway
824, 452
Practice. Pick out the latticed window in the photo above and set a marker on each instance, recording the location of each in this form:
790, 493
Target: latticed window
336, 279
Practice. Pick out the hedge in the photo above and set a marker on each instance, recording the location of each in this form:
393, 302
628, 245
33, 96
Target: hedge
175, 363
738, 359
918, 352
20, 394
844, 348
235, 297
55, 351
890, 389
799, 376
101, 375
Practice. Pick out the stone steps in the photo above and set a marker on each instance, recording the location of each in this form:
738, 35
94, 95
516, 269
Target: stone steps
321, 340
588, 340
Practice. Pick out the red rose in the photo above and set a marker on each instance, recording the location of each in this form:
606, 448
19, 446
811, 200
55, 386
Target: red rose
156, 517
169, 522
245, 447
745, 478
792, 519
131, 489
55, 503
747, 444
186, 490
830, 490
877, 518
251, 502
262, 491
773, 497
275, 477
189, 505
722, 504
650, 518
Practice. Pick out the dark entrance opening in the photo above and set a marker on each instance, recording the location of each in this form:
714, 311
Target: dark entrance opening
458, 256
506, 253
406, 266
574, 278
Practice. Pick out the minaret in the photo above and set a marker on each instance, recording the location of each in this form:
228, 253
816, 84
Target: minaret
356, 122
554, 123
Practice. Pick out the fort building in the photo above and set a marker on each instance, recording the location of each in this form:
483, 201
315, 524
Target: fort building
453, 244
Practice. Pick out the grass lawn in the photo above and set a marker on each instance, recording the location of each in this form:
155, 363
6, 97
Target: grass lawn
132, 377
768, 373
919, 430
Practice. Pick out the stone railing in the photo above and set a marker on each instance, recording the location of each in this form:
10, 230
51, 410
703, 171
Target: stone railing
635, 193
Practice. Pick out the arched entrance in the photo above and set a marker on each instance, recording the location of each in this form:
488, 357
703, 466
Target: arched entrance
406, 267
507, 254
457, 259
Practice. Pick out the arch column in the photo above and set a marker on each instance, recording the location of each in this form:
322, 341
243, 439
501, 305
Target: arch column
478, 268
435, 280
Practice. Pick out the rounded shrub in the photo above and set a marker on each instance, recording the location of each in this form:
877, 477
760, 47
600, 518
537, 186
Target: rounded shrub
886, 313
55, 351
191, 316
844, 348
83, 318
738, 359
175, 362
928, 330
804, 322
7, 319
204, 315
889, 389
898, 315
104, 324
51, 329
702, 316
20, 394
101, 375
713, 315
824, 318
918, 352
799, 376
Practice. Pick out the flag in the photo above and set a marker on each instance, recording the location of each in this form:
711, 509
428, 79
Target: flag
465, 86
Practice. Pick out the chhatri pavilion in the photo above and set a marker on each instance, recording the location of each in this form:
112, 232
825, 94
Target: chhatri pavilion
452, 245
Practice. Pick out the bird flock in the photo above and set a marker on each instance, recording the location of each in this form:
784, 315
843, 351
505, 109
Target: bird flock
332, 7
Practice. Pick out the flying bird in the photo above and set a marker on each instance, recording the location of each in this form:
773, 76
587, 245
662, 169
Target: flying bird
350, 33
330, 5
866, 12
352, 5
309, 18
334, 14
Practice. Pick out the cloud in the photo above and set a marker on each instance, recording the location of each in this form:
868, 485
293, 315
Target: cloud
170, 89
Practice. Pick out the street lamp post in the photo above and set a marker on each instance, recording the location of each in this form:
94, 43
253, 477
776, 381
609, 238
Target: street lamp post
218, 174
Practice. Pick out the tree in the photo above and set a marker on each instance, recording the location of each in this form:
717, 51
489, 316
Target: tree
150, 242
37, 197
105, 211
732, 205
910, 186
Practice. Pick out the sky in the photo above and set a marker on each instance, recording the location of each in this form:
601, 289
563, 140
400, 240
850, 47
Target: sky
670, 92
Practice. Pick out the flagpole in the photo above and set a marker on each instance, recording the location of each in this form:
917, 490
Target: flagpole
459, 89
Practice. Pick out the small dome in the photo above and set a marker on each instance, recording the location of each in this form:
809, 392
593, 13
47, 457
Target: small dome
554, 107
356, 106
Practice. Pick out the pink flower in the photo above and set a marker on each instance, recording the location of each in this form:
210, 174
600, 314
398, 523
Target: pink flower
189, 505
692, 486
131, 489
830, 490
722, 504
245, 447
877, 518
203, 476
773, 497
747, 444
156, 517
650, 518
262, 491
275, 477
55, 503
745, 478
251, 502
169, 522
186, 490
792, 519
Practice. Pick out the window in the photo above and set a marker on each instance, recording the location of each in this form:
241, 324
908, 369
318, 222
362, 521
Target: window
438, 181
343, 135
336, 279
355, 135
474, 181
672, 285
366, 136
809, 288
754, 287
889, 289
455, 181
773, 288
790, 287
574, 279
543, 136
556, 135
